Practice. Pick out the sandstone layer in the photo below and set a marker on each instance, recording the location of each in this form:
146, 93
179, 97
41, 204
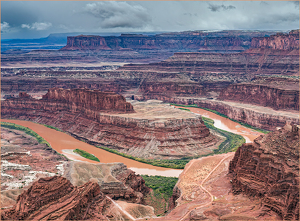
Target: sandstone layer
280, 41
94, 100
55, 198
269, 169
190, 40
155, 130
277, 93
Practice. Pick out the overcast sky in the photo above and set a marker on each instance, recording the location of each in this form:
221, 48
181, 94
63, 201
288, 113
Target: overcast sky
38, 19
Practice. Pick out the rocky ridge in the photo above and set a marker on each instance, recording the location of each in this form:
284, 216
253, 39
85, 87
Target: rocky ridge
277, 93
279, 41
269, 170
55, 198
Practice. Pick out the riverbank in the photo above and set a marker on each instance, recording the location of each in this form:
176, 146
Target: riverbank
61, 141
222, 115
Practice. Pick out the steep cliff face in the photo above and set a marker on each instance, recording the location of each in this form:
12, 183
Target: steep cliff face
89, 99
269, 169
204, 41
279, 41
277, 93
74, 100
171, 89
55, 198
85, 42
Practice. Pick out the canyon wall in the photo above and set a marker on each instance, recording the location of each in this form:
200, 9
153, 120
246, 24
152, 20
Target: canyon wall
188, 41
269, 169
280, 41
55, 198
277, 93
252, 115
89, 99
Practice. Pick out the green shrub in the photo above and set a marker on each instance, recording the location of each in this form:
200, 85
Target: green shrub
86, 155
161, 184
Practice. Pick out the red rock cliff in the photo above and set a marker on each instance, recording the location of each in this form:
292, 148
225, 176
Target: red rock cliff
279, 41
89, 99
85, 42
277, 93
55, 198
269, 169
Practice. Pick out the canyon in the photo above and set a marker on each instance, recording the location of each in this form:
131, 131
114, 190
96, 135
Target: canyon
260, 75
251, 78
144, 129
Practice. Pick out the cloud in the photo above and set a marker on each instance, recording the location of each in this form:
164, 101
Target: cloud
118, 14
39, 26
215, 8
4, 27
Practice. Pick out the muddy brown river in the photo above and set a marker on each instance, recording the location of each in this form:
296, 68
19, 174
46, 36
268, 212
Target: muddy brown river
227, 124
64, 144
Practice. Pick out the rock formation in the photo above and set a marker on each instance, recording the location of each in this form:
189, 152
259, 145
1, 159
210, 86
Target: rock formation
277, 93
147, 134
279, 41
93, 100
55, 198
115, 180
192, 40
269, 169
86, 42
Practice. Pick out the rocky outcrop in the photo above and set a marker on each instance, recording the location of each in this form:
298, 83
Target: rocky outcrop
86, 42
269, 169
94, 100
55, 198
74, 100
171, 89
115, 180
191, 40
280, 41
277, 93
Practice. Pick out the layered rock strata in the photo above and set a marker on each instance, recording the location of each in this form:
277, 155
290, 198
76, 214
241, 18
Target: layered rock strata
269, 169
83, 99
277, 93
254, 115
154, 131
190, 40
279, 41
114, 179
55, 198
